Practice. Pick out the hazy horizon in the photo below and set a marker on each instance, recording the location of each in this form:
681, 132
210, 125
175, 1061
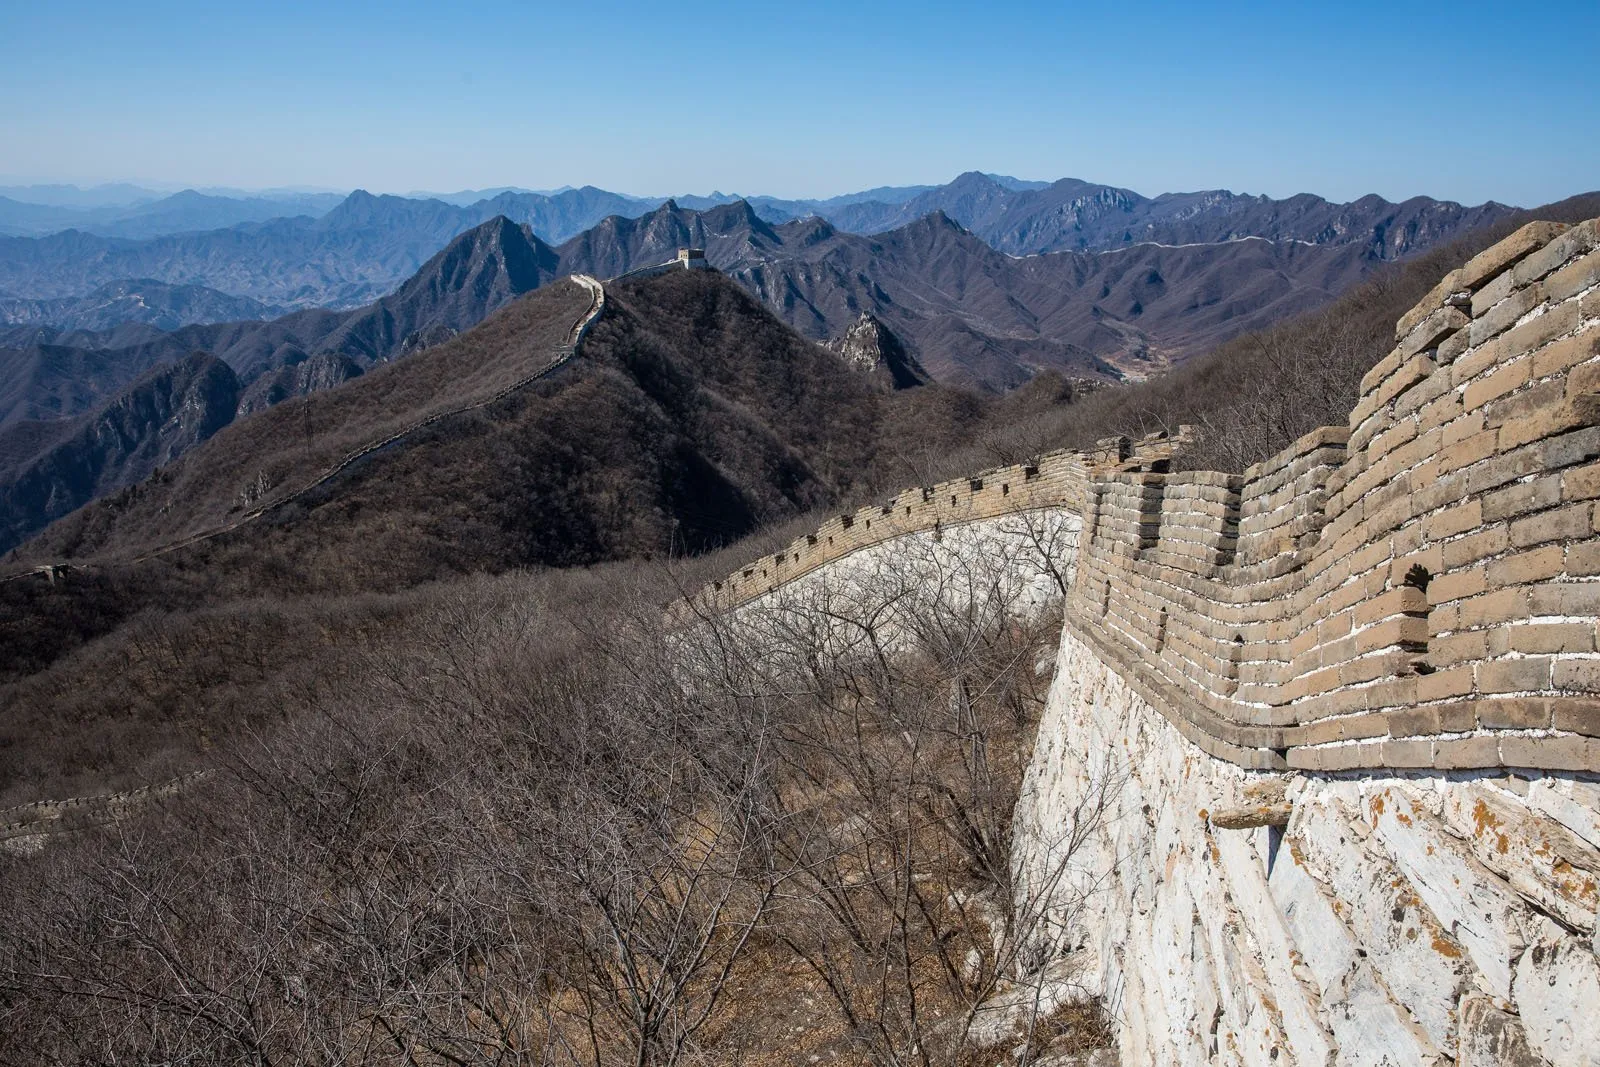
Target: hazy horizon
164, 189
803, 103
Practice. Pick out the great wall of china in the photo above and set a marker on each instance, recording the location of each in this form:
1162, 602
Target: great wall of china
1349, 699
1341, 711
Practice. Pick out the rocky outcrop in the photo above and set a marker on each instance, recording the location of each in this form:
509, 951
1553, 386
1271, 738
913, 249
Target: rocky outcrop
872, 348
160, 417
300, 375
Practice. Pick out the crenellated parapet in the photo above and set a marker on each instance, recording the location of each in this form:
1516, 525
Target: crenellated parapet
1056, 480
1419, 589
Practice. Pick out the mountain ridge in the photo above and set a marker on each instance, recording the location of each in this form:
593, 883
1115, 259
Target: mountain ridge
366, 244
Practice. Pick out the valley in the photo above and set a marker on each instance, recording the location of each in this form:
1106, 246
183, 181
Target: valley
629, 607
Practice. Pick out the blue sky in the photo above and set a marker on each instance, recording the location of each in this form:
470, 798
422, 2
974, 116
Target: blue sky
1458, 100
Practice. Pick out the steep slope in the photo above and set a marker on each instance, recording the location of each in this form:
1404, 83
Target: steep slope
163, 415
59, 375
972, 315
692, 417
729, 233
1074, 215
144, 301
872, 348
475, 275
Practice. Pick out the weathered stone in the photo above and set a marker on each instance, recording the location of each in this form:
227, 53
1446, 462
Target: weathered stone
1491, 261
1557, 992
1492, 1038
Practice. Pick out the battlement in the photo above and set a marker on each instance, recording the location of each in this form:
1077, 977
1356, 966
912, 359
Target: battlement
1418, 589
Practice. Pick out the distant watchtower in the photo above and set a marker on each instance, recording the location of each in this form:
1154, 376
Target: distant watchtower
693, 259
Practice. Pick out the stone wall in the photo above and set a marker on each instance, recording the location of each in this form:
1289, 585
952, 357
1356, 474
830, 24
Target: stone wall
1398, 918
1324, 736
1057, 480
1416, 590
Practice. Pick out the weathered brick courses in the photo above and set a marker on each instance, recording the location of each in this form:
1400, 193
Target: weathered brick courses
1426, 569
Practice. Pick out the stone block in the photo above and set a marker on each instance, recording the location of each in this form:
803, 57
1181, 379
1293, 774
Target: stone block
1469, 450
1473, 547
1503, 315
1433, 328
1565, 598
1412, 371
1583, 559
1522, 498
1574, 412
1498, 383
1535, 400
1575, 715
1566, 523
1437, 298
1492, 294
1566, 353
1407, 755
1573, 243
1544, 328
1577, 675
1551, 754
1574, 278
1550, 637
1532, 565
1530, 713
1578, 446
1445, 683
1413, 722
1451, 348
1466, 753
1486, 265
1530, 674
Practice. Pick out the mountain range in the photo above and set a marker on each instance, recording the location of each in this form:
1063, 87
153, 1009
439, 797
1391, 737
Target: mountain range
367, 245
692, 417
91, 404
142, 301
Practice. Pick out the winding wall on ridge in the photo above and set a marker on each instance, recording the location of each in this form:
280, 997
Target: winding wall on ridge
1332, 724
1316, 779
1418, 589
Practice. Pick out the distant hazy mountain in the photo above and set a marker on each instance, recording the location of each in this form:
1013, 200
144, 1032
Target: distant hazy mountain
116, 194
179, 213
135, 300
1025, 218
48, 373
361, 249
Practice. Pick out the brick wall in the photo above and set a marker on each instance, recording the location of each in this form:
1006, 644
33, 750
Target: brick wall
1418, 589
1057, 480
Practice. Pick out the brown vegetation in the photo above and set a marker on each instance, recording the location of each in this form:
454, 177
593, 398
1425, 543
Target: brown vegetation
527, 823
